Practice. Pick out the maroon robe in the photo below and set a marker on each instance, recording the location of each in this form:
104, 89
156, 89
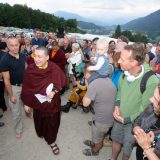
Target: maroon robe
59, 59
46, 115
29, 60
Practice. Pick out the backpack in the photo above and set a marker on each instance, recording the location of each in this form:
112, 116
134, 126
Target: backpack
144, 80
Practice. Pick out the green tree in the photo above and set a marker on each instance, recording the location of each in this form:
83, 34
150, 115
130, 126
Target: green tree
139, 37
71, 25
117, 32
128, 34
157, 38
25, 17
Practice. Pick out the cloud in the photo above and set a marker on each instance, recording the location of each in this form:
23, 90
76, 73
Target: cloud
101, 9
105, 8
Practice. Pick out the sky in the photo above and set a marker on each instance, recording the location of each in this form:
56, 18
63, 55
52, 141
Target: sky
104, 10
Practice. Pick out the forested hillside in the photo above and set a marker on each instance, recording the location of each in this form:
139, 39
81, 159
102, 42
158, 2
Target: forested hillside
24, 17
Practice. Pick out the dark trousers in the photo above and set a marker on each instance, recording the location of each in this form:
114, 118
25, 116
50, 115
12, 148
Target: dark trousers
139, 153
46, 127
2, 100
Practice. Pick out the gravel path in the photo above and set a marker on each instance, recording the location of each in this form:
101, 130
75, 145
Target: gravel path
73, 130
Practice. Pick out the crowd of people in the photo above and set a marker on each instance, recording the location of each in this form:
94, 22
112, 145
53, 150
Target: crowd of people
118, 82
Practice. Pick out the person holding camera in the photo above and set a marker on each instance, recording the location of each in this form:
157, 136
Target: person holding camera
147, 129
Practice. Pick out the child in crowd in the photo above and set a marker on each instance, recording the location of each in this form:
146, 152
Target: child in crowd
102, 61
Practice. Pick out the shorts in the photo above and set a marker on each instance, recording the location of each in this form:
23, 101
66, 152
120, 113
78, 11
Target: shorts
98, 131
123, 134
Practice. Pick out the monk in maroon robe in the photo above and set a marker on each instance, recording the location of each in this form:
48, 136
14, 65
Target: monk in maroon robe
58, 56
36, 79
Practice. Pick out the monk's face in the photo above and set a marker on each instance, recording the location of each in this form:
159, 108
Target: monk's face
40, 58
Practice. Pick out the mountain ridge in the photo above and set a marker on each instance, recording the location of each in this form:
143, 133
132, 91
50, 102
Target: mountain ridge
149, 24
69, 15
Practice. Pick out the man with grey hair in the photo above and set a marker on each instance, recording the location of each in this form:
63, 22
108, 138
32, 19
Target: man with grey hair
73, 39
12, 67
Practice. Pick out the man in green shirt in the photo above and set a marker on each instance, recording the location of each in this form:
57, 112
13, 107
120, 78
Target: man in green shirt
130, 102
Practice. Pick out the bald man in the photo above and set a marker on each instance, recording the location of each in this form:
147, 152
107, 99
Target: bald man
12, 67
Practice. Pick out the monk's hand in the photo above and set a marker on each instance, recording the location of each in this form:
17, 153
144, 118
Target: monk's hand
27, 108
50, 95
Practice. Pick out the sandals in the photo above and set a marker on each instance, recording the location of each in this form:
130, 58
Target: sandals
90, 152
55, 149
89, 143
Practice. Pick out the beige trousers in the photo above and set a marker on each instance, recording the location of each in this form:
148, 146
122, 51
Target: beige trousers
16, 109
